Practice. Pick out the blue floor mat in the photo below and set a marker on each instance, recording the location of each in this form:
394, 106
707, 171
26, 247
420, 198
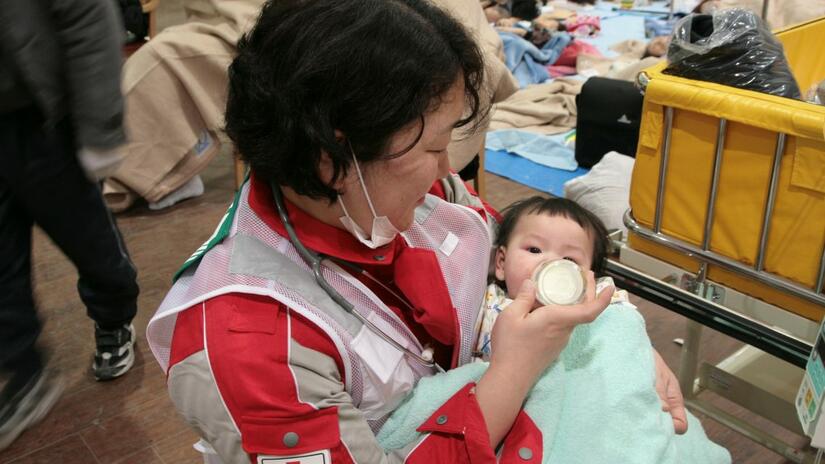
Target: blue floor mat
524, 171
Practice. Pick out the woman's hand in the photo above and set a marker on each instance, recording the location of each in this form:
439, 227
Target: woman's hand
667, 386
526, 341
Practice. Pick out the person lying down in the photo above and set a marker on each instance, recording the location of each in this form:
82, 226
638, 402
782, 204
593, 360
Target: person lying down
597, 403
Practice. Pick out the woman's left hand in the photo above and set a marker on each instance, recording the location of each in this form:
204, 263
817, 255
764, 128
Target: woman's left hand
667, 386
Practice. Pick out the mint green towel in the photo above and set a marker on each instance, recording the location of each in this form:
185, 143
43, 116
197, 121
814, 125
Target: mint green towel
596, 404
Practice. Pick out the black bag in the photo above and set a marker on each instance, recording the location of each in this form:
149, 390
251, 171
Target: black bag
732, 47
609, 113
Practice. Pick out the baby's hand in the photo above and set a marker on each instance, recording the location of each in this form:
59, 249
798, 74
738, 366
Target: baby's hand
667, 387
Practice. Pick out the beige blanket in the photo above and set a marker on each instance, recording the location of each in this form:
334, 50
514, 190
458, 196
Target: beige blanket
625, 66
175, 90
782, 13
499, 83
543, 108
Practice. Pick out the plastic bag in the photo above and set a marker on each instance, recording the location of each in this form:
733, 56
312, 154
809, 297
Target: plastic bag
816, 94
731, 47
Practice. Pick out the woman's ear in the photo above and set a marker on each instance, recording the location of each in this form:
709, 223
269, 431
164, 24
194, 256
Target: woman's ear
325, 170
499, 261
325, 166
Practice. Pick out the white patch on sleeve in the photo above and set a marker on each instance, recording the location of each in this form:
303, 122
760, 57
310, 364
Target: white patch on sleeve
448, 245
314, 457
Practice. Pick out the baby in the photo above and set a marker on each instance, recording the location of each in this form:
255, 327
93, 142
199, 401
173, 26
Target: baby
533, 231
597, 402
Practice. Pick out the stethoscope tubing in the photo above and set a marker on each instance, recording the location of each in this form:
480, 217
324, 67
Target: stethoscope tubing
314, 260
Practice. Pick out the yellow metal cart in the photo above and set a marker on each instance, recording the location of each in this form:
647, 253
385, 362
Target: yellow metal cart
728, 205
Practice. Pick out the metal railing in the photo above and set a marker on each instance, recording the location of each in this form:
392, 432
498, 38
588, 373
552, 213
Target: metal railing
815, 295
742, 327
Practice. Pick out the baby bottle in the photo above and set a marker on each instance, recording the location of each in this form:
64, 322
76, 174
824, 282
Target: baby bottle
559, 282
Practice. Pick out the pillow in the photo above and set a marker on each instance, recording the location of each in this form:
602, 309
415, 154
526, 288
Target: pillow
605, 190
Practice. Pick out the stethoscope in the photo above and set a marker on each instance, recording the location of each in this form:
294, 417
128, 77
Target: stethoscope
314, 260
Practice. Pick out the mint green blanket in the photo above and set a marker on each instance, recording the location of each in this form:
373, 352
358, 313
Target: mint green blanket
596, 404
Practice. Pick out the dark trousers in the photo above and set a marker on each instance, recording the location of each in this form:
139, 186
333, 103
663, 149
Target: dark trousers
42, 183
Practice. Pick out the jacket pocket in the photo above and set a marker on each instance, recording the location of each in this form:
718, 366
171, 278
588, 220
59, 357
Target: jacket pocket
315, 432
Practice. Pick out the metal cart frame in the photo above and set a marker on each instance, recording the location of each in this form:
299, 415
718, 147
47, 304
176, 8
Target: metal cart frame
778, 341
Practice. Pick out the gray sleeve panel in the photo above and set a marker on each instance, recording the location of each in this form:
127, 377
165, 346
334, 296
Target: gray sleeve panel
319, 383
455, 191
252, 257
195, 394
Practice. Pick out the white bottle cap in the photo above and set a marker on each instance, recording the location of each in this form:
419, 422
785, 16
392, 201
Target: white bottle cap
559, 282
427, 353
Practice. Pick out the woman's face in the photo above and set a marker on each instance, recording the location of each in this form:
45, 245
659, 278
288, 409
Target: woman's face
397, 186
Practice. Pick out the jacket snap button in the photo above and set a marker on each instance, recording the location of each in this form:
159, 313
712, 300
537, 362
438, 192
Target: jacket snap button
290, 439
441, 420
525, 454
379, 257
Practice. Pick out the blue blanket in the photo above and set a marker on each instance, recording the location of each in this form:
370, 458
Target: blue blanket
526, 61
547, 150
596, 404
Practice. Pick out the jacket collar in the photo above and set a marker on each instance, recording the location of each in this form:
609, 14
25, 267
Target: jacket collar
316, 235
413, 271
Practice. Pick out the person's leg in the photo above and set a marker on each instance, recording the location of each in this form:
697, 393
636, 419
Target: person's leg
70, 209
30, 390
19, 326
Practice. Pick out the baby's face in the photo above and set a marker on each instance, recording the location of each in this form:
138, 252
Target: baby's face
537, 238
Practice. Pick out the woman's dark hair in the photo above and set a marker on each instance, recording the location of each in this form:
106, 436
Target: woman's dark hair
367, 68
558, 207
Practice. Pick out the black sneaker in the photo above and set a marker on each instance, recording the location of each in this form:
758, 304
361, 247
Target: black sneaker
115, 352
25, 407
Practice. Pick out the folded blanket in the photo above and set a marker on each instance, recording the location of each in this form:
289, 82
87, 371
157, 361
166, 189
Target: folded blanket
546, 150
542, 108
596, 404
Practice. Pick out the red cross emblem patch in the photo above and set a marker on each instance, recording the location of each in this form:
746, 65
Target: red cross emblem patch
313, 457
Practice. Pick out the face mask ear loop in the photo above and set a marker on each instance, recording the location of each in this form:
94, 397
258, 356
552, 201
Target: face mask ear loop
361, 179
341, 202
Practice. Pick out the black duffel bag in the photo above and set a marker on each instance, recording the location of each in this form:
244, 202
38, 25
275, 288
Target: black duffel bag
609, 113
732, 47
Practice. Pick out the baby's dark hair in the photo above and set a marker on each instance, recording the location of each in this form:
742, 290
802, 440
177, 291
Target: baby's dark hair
558, 207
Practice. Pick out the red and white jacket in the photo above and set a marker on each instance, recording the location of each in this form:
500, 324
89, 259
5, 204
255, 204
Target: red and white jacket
268, 369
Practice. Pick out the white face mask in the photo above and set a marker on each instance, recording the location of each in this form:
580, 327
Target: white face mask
383, 232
